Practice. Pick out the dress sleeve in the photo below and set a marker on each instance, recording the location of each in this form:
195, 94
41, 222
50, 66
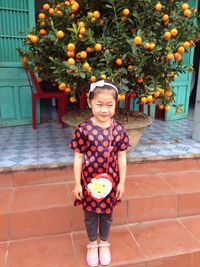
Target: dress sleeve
78, 142
123, 143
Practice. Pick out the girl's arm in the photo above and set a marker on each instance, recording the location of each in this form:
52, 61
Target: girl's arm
78, 161
122, 163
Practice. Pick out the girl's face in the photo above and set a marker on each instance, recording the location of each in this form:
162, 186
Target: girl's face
103, 107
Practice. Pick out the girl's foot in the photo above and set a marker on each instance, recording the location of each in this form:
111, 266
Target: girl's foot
104, 253
92, 254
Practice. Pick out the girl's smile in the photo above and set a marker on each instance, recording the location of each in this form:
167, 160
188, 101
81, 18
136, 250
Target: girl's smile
103, 107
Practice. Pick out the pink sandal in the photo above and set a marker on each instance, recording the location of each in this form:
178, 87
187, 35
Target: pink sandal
105, 257
92, 258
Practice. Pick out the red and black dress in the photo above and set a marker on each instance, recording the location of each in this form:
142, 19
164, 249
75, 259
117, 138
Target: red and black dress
93, 141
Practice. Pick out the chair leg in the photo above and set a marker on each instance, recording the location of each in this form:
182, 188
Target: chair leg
141, 108
34, 123
65, 104
60, 111
63, 110
62, 104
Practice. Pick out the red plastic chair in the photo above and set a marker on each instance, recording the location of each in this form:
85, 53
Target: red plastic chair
38, 93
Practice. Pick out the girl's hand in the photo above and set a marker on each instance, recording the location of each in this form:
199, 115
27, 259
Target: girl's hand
120, 191
78, 191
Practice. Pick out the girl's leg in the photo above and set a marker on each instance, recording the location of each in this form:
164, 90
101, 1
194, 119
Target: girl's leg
105, 222
91, 223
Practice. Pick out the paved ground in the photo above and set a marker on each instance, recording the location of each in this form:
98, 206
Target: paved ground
22, 147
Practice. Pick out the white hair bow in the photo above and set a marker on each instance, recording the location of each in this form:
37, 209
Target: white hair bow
101, 83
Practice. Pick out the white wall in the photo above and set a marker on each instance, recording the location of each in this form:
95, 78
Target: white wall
196, 123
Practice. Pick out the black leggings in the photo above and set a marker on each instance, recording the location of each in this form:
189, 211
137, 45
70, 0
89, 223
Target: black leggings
93, 220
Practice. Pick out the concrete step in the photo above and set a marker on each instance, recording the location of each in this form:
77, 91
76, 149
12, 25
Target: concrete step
38, 203
163, 243
42, 176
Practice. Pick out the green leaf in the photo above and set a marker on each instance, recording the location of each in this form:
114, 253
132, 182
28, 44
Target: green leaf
83, 75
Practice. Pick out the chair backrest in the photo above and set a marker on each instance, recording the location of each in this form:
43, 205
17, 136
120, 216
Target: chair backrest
33, 83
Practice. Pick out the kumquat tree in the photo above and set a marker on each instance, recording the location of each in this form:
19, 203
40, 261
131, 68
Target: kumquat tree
138, 44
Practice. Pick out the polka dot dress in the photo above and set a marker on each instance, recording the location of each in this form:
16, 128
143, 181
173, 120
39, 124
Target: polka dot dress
93, 141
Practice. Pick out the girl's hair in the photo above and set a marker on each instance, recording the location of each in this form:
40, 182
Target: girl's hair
104, 87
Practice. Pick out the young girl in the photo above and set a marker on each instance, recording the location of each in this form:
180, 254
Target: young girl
100, 145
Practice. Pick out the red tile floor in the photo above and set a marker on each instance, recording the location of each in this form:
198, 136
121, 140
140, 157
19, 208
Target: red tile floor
157, 224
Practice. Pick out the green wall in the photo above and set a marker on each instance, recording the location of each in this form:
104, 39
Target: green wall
16, 18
